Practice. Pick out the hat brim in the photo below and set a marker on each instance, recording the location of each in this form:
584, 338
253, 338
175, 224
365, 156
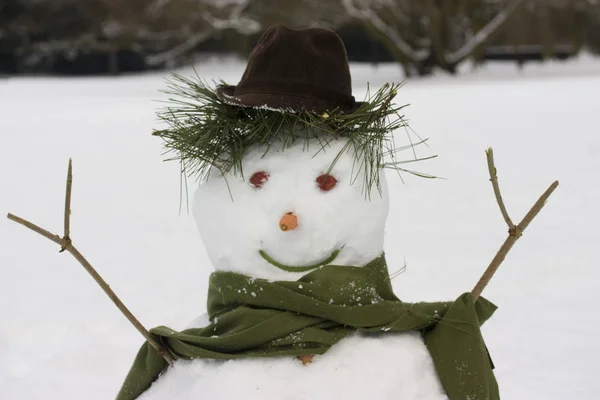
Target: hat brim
281, 101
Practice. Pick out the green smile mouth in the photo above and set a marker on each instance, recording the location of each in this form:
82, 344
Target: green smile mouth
298, 268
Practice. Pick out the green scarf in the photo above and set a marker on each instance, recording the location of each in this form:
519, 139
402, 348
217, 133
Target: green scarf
257, 318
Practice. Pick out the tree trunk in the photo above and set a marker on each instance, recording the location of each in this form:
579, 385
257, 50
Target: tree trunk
113, 62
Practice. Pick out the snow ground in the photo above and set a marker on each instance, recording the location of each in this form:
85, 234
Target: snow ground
60, 337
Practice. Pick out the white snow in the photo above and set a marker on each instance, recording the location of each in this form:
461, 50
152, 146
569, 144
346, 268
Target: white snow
390, 366
236, 219
61, 338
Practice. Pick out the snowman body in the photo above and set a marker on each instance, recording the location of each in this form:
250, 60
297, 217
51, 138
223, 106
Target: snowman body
244, 222
388, 366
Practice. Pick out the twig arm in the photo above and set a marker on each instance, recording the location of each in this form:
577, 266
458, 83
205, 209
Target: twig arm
67, 245
514, 232
48, 235
68, 201
115, 299
537, 207
494, 179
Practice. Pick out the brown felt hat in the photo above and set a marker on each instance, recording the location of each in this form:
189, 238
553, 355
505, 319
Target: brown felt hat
300, 70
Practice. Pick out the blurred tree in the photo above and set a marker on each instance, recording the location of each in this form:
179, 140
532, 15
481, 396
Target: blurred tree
161, 30
294, 13
426, 33
588, 14
181, 25
546, 29
115, 35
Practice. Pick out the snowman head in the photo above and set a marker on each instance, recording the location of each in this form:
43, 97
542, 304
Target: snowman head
295, 208
290, 164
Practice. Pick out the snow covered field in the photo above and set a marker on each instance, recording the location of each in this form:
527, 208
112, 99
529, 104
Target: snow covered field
61, 338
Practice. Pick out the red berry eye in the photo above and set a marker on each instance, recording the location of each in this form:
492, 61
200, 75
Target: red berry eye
259, 178
326, 182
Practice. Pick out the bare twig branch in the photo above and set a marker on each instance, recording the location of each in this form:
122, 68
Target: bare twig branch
65, 243
514, 233
537, 207
48, 235
494, 179
68, 203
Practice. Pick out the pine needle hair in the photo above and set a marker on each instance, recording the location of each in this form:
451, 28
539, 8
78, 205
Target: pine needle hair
205, 132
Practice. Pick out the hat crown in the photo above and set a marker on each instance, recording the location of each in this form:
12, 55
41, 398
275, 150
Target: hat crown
313, 56
303, 69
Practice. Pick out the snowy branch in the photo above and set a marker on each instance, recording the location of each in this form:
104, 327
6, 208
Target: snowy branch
176, 51
484, 34
397, 9
234, 19
155, 8
366, 14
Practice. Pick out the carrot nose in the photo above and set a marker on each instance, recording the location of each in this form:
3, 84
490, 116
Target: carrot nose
288, 222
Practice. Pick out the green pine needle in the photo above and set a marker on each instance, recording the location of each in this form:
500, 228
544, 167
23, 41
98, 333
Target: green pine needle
204, 132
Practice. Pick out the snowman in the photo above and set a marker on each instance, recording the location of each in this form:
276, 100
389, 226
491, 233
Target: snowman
291, 208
